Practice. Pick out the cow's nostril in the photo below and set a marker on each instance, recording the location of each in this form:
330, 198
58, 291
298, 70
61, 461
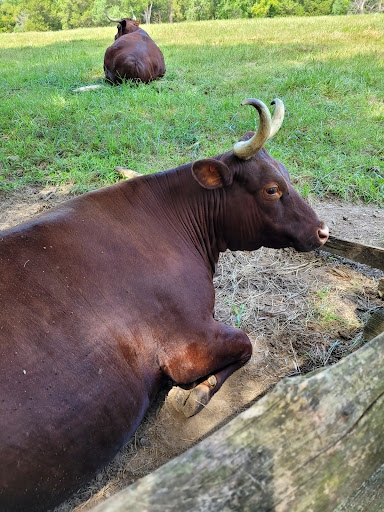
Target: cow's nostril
323, 233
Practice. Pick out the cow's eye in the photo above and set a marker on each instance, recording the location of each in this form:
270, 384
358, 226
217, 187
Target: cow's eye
272, 192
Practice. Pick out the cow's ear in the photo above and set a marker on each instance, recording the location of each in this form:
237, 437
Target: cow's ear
211, 173
137, 23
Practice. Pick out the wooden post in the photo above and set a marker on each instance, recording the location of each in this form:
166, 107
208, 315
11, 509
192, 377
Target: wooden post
314, 443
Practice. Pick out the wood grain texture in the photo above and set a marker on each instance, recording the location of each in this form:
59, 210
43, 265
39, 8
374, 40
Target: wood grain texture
366, 254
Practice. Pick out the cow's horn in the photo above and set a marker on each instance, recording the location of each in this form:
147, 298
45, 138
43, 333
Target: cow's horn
246, 148
267, 128
133, 17
278, 117
113, 19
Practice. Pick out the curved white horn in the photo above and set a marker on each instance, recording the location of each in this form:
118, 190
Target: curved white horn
113, 19
278, 117
246, 148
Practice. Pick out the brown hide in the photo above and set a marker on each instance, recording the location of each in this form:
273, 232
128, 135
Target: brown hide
108, 296
133, 55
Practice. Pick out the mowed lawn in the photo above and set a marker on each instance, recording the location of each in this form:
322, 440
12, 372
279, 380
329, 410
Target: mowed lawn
328, 71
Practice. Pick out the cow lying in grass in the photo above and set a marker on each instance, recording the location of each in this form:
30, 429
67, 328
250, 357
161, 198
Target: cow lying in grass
133, 56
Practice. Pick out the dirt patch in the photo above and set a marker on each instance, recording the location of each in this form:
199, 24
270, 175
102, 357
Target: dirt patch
364, 224
301, 311
27, 202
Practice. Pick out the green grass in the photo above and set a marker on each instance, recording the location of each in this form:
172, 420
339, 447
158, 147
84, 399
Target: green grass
327, 70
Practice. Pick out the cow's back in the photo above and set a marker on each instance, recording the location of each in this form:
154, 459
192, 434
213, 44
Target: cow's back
134, 56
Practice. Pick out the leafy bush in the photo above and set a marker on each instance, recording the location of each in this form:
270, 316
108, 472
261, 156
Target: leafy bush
340, 6
75, 14
8, 15
272, 8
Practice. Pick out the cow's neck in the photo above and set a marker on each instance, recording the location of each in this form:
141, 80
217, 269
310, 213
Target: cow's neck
196, 211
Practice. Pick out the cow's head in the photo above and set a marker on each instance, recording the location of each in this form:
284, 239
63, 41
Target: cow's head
261, 206
124, 25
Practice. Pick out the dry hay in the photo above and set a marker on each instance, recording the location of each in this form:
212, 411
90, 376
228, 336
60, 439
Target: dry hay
301, 311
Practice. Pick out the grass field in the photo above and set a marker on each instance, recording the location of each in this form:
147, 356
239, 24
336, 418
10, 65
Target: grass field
327, 70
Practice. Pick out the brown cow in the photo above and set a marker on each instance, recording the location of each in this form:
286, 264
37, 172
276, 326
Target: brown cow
133, 56
108, 296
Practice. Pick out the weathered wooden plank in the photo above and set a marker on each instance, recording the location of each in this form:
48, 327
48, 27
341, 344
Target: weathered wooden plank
374, 325
367, 254
369, 497
309, 445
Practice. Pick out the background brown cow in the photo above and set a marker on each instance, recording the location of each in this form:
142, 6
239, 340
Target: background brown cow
133, 56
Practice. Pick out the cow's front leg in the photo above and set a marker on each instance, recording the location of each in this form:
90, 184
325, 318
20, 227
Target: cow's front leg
206, 368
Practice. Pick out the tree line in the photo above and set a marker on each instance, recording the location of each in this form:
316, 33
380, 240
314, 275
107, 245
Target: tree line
42, 15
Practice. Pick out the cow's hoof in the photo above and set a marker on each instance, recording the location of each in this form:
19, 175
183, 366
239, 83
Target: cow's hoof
178, 398
190, 402
197, 400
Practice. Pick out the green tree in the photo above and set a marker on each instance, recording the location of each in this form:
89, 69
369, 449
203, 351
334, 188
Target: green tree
317, 7
340, 6
291, 8
120, 9
226, 9
197, 10
8, 16
169, 10
266, 9
98, 12
163, 10
41, 15
271, 8
75, 13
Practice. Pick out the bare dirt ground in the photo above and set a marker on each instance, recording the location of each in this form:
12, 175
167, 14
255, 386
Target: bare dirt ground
301, 311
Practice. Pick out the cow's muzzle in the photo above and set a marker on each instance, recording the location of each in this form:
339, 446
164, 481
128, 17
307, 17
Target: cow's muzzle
322, 233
